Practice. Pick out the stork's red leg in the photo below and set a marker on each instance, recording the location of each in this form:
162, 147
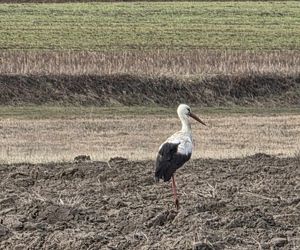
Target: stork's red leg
175, 193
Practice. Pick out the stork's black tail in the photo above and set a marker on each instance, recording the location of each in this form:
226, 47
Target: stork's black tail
165, 166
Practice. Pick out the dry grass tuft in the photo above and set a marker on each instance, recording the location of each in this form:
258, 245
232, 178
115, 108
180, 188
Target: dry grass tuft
188, 63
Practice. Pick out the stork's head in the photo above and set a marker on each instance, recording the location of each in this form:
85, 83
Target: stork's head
184, 111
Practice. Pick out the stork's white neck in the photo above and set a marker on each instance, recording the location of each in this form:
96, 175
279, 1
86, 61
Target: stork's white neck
186, 125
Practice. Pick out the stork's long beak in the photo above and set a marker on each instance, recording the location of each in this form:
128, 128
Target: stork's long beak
196, 118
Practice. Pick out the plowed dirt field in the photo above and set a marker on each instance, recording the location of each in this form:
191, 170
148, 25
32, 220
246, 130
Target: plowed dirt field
243, 203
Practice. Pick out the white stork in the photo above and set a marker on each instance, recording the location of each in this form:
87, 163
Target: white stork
176, 150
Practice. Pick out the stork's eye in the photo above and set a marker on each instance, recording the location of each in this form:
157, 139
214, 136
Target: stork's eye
189, 110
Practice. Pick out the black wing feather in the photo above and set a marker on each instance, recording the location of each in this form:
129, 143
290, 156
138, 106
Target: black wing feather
168, 161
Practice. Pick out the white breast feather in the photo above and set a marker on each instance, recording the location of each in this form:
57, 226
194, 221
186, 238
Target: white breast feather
185, 142
185, 147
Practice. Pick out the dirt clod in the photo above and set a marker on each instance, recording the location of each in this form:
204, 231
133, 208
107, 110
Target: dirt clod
82, 158
202, 246
279, 242
3, 231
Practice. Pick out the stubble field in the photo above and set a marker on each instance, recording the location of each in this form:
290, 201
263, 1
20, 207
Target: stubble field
59, 134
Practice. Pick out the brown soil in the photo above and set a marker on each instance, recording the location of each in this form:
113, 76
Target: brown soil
270, 90
247, 203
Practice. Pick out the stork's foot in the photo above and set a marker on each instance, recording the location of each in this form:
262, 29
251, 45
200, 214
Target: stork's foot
176, 204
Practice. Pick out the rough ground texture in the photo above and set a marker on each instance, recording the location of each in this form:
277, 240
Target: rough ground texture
247, 203
223, 90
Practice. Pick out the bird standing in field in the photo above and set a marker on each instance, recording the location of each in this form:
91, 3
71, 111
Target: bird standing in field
176, 150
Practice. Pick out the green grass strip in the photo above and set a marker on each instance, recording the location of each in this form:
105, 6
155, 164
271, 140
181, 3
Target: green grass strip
72, 112
151, 26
